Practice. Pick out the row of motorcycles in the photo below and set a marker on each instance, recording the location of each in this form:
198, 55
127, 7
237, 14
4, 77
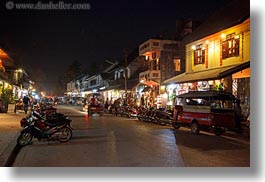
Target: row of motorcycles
152, 115
44, 123
156, 116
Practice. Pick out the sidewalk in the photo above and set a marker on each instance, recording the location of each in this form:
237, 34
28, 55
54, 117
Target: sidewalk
9, 129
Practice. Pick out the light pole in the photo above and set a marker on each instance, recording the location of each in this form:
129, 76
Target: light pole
126, 76
125, 72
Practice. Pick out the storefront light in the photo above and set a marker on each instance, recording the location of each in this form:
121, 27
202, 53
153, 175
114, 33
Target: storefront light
237, 37
5, 85
170, 103
210, 82
171, 86
36, 97
217, 82
223, 36
193, 47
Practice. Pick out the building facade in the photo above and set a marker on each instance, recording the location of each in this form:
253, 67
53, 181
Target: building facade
220, 61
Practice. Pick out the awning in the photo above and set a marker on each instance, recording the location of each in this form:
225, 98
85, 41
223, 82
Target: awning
151, 83
210, 74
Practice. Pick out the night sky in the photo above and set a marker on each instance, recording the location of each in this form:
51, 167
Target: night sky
47, 42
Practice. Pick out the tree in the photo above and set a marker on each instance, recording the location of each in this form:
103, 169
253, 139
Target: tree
6, 97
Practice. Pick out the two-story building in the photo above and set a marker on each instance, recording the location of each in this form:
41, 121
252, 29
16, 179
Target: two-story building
13, 79
163, 61
217, 55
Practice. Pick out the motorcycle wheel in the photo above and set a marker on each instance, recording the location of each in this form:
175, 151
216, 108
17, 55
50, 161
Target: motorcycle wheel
66, 134
24, 139
176, 125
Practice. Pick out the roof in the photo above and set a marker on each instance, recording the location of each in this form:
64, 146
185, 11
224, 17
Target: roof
230, 15
210, 74
211, 93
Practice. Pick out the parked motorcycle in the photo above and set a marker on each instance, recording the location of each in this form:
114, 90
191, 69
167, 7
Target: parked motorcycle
164, 117
38, 127
128, 111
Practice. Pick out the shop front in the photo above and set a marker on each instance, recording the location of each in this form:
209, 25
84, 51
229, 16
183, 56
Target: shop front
234, 78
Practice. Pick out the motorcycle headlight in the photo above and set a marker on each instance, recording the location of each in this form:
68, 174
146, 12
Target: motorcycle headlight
68, 118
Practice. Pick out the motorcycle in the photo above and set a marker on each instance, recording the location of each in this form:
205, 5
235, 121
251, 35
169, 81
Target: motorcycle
128, 112
164, 117
38, 127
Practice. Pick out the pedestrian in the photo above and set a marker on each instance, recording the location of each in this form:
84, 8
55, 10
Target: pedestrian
116, 106
106, 105
26, 102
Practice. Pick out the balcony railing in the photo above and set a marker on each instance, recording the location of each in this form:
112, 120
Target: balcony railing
150, 75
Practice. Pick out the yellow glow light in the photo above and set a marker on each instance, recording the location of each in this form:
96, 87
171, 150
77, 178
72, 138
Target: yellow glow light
237, 37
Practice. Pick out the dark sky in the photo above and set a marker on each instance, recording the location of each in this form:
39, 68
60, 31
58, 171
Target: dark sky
49, 41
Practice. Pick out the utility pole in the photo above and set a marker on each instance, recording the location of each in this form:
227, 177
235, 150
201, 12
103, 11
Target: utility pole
125, 72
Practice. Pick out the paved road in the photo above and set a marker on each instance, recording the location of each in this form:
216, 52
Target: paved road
114, 141
105, 141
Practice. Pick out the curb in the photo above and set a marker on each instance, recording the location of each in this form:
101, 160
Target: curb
9, 154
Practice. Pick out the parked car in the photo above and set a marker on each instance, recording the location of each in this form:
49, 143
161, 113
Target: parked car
215, 111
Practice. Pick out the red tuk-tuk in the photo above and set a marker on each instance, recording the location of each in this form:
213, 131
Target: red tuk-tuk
94, 104
215, 111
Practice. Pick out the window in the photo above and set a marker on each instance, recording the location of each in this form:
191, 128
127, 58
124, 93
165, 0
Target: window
230, 47
155, 44
156, 64
199, 55
155, 75
154, 55
93, 82
144, 46
177, 64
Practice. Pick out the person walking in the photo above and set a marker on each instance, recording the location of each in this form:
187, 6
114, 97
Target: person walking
26, 102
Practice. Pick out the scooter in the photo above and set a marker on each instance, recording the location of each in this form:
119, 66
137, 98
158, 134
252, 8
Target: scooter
41, 128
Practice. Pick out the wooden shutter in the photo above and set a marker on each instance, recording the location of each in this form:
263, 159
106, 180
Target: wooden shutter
224, 49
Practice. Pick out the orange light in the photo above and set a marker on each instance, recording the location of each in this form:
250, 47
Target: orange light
3, 54
86, 120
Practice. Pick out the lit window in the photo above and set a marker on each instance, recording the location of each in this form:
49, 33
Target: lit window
230, 47
199, 55
177, 64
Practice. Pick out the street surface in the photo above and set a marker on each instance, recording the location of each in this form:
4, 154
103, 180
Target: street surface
110, 141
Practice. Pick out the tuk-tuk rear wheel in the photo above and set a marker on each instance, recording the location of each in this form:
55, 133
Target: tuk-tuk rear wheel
195, 128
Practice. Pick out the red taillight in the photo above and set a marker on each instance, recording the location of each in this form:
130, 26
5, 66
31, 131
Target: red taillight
23, 122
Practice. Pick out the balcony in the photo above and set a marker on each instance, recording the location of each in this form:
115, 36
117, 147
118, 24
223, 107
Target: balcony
150, 75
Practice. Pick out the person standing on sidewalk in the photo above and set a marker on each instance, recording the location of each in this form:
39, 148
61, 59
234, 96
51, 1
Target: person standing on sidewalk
26, 102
